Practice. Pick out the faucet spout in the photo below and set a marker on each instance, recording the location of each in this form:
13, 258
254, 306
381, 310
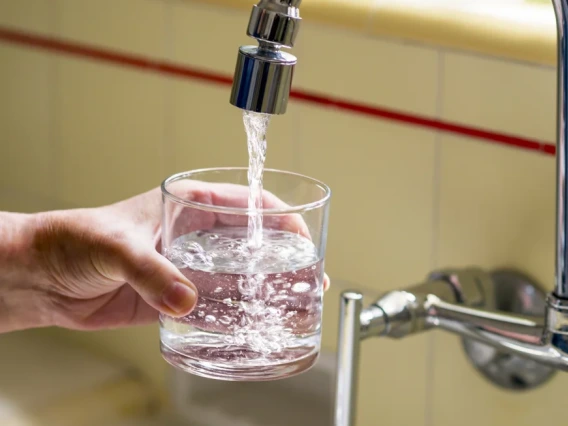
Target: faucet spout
263, 74
514, 334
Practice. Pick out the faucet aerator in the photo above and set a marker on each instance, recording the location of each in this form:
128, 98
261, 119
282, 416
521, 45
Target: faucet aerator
263, 78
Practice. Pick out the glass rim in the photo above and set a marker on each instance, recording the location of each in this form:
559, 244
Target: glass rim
245, 210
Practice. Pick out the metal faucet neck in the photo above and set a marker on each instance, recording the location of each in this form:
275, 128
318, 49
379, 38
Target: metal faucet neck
561, 285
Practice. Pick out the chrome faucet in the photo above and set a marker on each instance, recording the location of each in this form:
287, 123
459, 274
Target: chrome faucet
263, 75
513, 333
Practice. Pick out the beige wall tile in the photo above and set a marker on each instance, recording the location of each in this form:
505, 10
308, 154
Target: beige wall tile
496, 210
380, 238
30, 15
134, 26
460, 394
25, 111
207, 131
366, 69
109, 132
284, 139
208, 36
393, 381
381, 209
496, 207
504, 96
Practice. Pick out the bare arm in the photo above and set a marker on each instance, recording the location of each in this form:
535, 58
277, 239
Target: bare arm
22, 301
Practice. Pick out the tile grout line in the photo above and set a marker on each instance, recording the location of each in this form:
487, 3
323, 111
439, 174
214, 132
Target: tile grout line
52, 91
299, 130
167, 115
434, 251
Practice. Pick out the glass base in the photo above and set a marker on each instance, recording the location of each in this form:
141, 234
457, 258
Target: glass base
235, 372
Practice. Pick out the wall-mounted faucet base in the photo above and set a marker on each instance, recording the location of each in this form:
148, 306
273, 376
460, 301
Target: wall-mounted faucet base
513, 293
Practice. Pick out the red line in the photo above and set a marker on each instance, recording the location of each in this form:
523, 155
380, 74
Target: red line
166, 68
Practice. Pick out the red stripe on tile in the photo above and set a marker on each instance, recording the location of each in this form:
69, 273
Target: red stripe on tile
183, 71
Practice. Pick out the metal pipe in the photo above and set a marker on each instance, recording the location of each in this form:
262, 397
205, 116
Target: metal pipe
450, 316
513, 334
561, 287
348, 358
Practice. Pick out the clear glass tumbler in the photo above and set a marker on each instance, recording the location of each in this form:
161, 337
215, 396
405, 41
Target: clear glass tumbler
259, 309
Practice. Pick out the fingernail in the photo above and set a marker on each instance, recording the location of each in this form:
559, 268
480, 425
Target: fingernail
179, 297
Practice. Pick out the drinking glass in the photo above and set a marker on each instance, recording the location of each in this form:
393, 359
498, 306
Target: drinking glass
260, 298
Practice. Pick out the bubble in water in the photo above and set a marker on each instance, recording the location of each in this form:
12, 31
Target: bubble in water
189, 254
300, 287
257, 315
227, 250
242, 285
269, 291
226, 320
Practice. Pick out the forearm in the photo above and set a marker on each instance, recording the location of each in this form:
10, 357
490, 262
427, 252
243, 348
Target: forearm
22, 293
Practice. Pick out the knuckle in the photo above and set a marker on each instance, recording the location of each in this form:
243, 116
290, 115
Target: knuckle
145, 274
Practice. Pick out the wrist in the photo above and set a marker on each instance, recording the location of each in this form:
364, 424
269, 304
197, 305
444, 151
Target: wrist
23, 285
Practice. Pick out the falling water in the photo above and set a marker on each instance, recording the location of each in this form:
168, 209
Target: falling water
256, 125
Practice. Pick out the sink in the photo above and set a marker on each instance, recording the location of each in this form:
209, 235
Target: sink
47, 381
205, 402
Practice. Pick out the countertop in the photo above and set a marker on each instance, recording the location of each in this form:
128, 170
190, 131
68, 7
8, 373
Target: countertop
47, 382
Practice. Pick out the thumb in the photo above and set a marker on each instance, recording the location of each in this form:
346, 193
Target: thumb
152, 276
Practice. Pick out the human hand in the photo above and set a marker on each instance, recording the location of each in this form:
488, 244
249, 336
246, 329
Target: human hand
101, 268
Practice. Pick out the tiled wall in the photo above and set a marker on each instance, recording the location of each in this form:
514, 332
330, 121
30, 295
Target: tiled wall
80, 132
